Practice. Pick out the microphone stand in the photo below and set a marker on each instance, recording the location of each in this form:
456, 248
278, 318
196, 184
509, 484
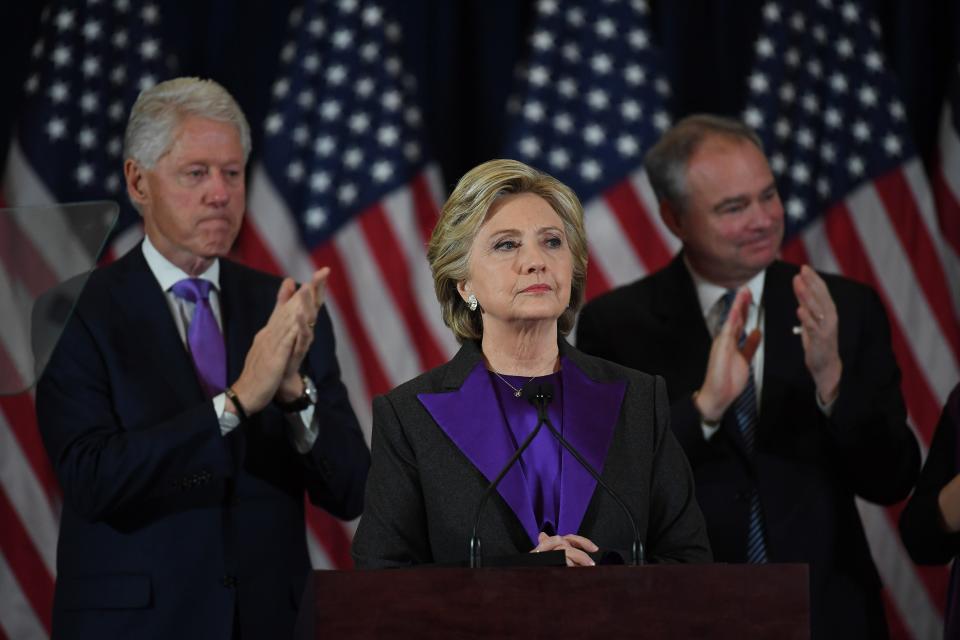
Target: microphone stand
476, 551
541, 399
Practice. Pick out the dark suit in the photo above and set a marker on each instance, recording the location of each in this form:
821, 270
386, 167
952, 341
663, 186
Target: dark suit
168, 526
427, 478
807, 467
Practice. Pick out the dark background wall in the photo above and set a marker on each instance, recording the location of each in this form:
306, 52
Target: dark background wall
464, 51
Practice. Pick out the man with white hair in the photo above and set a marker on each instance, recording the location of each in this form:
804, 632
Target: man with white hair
190, 404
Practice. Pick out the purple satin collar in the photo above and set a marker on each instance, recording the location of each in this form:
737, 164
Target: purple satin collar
472, 419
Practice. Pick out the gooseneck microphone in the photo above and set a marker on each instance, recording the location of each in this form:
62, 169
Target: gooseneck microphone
540, 398
476, 552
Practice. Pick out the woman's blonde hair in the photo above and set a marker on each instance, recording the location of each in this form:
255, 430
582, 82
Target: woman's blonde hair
465, 211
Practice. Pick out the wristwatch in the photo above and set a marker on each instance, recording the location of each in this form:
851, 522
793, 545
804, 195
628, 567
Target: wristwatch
306, 399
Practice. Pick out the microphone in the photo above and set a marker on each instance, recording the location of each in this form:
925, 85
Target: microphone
541, 397
476, 552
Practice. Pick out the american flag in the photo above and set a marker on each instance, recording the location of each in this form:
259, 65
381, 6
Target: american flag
344, 180
592, 100
859, 203
89, 63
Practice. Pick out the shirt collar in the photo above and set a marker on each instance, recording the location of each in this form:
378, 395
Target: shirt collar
708, 293
168, 274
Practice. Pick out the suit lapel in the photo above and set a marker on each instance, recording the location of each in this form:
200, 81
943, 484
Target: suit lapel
678, 310
149, 332
240, 311
782, 349
591, 412
470, 416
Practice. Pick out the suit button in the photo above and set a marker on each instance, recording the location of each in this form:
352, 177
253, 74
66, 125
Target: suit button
229, 581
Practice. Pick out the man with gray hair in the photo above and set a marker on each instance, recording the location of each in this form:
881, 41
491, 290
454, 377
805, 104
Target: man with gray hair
191, 403
785, 392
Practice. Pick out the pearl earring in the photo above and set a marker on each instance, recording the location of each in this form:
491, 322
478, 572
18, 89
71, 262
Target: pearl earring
472, 302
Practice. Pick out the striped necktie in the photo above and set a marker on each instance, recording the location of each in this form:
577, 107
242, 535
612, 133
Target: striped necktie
745, 410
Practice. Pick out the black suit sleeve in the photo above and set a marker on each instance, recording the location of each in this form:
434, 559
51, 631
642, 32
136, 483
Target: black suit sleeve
677, 531
335, 469
102, 466
921, 523
868, 421
393, 531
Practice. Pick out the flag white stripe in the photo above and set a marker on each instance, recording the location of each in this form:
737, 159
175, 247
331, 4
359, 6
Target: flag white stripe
821, 258
898, 573
15, 331
392, 344
17, 617
609, 246
817, 246
916, 179
318, 555
27, 496
399, 208
895, 274
350, 372
51, 236
275, 226
435, 184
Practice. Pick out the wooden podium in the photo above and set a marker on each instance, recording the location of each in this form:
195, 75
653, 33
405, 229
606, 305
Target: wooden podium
655, 601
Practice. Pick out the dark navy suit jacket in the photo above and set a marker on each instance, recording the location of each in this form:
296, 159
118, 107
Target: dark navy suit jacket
808, 467
169, 529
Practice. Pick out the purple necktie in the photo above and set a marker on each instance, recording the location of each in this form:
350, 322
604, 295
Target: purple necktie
203, 336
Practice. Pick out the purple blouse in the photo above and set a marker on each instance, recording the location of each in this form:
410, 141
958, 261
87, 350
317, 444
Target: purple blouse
541, 463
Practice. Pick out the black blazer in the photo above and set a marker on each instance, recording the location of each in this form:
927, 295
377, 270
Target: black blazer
167, 526
807, 467
423, 488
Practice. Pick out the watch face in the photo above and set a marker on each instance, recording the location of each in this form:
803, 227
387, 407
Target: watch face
310, 390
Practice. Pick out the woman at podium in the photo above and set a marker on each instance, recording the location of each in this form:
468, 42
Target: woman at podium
509, 262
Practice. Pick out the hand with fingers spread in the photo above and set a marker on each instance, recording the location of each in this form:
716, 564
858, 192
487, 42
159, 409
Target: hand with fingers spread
574, 547
819, 332
728, 367
272, 365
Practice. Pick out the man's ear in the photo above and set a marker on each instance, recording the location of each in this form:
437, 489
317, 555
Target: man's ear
137, 187
671, 218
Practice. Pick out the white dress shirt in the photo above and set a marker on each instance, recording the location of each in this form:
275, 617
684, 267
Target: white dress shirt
303, 428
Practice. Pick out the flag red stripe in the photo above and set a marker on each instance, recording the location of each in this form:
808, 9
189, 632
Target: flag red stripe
902, 210
25, 562
373, 373
21, 260
637, 225
332, 535
251, 251
424, 207
597, 281
22, 418
393, 266
895, 622
795, 252
852, 258
948, 209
